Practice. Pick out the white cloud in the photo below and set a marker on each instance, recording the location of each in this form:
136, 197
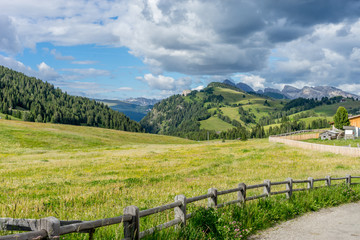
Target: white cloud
16, 65
59, 56
85, 62
87, 72
125, 89
47, 73
352, 88
9, 41
161, 82
355, 54
256, 82
198, 88
323, 57
197, 37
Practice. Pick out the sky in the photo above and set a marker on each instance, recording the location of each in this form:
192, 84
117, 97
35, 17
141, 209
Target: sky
114, 49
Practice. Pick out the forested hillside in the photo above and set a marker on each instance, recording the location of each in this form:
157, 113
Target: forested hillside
224, 111
31, 99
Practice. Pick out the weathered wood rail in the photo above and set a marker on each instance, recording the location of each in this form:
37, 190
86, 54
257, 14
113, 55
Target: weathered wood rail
53, 228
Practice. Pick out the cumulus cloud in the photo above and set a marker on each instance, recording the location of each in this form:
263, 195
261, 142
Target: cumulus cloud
256, 82
47, 73
352, 88
16, 65
9, 41
322, 57
316, 41
161, 82
198, 88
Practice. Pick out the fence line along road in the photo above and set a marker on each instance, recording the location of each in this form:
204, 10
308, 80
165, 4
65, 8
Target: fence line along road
291, 139
53, 228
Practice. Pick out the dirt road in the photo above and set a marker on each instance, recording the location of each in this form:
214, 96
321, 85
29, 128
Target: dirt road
341, 222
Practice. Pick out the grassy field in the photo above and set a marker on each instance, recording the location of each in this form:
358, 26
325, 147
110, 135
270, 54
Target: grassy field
215, 123
340, 142
88, 173
4, 115
330, 110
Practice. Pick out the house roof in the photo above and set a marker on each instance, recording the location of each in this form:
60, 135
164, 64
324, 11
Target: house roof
353, 117
329, 132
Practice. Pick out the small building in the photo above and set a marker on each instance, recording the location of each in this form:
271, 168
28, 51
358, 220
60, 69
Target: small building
329, 135
351, 132
355, 121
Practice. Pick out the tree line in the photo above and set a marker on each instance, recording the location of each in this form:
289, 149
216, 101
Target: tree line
33, 100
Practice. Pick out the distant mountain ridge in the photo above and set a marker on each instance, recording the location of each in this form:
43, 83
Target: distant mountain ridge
135, 109
240, 85
315, 92
270, 92
290, 92
141, 101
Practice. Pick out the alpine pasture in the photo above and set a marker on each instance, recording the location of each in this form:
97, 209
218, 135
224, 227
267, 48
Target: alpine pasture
85, 173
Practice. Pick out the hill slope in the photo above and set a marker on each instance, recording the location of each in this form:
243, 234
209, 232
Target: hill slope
31, 99
217, 108
24, 136
94, 180
225, 111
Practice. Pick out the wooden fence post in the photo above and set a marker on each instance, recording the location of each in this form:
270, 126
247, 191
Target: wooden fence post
242, 193
311, 183
212, 201
328, 181
289, 187
180, 212
91, 234
132, 227
52, 227
267, 188
348, 180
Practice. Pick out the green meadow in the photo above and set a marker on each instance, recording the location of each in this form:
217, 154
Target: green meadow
73, 172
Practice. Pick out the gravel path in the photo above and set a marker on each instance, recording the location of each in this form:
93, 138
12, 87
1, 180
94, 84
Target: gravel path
341, 222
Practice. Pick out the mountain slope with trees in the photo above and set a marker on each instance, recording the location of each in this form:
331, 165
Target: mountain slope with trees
224, 111
31, 99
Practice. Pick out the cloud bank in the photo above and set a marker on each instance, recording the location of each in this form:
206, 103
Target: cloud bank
286, 41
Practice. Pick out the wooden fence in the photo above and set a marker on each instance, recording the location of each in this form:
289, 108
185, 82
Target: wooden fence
53, 228
291, 139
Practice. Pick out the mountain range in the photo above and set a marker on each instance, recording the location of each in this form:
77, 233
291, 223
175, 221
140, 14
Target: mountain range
141, 101
290, 92
316, 92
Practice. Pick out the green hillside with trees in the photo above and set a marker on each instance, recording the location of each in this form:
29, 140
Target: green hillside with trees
33, 100
224, 111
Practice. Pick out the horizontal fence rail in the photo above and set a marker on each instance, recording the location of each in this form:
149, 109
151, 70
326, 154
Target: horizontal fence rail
52, 228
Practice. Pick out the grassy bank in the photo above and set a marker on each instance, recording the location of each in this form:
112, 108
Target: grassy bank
86, 173
239, 222
340, 142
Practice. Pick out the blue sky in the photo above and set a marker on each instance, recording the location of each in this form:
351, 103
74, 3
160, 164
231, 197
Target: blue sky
118, 49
